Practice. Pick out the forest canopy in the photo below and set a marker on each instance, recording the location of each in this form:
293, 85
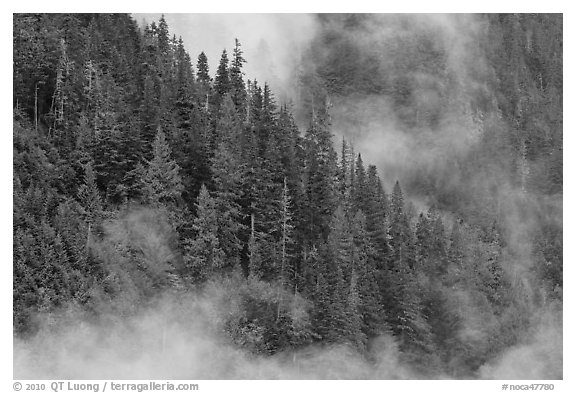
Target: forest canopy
140, 172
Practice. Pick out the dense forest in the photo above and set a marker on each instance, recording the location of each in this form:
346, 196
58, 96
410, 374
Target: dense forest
139, 171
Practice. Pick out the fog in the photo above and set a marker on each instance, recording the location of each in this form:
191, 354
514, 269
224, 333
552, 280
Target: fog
178, 338
389, 45
278, 49
180, 335
272, 43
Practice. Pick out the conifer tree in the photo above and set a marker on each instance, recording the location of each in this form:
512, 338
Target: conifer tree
90, 197
345, 175
401, 236
319, 174
150, 113
228, 177
360, 186
376, 212
88, 193
202, 70
437, 243
289, 143
355, 333
237, 86
366, 265
423, 241
286, 237
203, 254
163, 37
221, 81
162, 183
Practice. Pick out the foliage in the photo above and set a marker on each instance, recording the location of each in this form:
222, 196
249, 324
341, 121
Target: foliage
135, 174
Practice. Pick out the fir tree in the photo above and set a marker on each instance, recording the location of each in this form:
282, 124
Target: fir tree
237, 86
204, 90
228, 177
401, 236
360, 186
345, 175
221, 81
376, 212
162, 182
203, 253
90, 198
319, 175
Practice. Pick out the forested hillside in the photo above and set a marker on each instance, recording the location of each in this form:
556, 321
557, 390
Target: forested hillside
140, 172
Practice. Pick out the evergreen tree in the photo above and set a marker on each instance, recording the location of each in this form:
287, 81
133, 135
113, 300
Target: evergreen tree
401, 237
150, 113
376, 212
228, 177
423, 240
163, 35
237, 86
202, 73
90, 197
204, 89
221, 81
438, 253
319, 175
203, 253
360, 187
345, 174
162, 183
366, 265
286, 274
355, 333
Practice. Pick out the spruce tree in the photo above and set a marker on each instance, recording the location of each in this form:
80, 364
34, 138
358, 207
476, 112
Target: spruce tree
423, 240
401, 236
202, 70
286, 241
355, 325
237, 86
89, 195
228, 176
345, 175
204, 91
221, 81
90, 198
319, 174
162, 183
360, 187
377, 220
203, 254
366, 265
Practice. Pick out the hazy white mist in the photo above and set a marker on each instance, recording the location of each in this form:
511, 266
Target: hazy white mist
272, 43
180, 336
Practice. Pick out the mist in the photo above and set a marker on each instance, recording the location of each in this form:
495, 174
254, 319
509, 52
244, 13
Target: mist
177, 338
439, 123
427, 142
175, 333
433, 140
279, 47
181, 334
272, 43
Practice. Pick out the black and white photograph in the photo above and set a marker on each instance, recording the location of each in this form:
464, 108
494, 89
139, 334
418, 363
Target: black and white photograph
287, 196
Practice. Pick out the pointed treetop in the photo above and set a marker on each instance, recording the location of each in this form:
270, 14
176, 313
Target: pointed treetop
222, 80
162, 181
397, 200
238, 59
202, 73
